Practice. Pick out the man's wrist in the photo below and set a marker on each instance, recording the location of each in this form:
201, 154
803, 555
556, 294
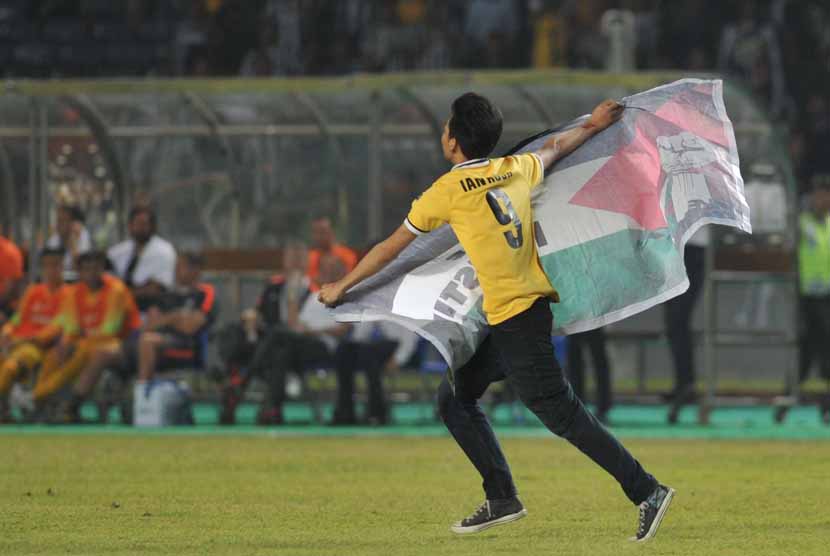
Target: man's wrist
591, 128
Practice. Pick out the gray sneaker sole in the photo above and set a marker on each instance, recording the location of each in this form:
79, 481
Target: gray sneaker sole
658, 519
459, 530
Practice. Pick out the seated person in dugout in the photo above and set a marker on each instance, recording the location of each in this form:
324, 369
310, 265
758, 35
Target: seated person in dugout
34, 328
171, 335
308, 339
176, 322
246, 346
374, 348
97, 316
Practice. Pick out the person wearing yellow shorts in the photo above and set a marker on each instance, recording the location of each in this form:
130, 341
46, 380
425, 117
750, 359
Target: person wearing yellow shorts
33, 328
98, 314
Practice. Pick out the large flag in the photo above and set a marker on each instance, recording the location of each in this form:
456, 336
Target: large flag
611, 222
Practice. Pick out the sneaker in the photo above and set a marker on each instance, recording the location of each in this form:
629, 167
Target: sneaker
268, 416
489, 514
5, 416
652, 512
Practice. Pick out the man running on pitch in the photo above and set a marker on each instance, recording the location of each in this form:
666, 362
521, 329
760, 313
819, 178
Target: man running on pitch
487, 203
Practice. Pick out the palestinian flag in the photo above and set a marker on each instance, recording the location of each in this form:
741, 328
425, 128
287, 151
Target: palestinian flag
611, 222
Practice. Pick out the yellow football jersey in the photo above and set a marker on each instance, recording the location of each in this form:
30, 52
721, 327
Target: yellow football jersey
487, 203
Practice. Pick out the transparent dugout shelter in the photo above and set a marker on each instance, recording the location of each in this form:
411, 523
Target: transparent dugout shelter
237, 168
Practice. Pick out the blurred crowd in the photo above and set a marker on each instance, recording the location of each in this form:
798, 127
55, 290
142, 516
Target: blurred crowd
94, 323
778, 48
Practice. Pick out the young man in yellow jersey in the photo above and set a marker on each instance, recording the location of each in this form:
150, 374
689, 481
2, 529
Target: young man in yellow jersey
487, 203
33, 328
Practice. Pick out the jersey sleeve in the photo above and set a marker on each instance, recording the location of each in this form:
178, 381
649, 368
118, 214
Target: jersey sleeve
429, 211
116, 308
530, 166
67, 318
16, 318
209, 304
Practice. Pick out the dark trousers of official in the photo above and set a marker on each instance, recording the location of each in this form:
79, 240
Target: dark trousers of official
678, 316
283, 350
815, 336
520, 350
371, 358
594, 341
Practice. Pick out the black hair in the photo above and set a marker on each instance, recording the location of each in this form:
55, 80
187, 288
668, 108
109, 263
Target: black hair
475, 124
75, 212
143, 209
193, 258
52, 252
92, 256
322, 215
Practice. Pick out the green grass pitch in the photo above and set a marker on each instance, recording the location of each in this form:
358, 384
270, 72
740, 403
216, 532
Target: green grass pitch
297, 496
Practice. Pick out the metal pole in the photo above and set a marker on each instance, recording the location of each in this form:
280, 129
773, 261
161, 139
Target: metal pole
33, 183
43, 157
710, 319
375, 196
334, 157
8, 210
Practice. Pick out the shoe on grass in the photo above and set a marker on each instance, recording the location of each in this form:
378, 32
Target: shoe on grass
490, 514
652, 512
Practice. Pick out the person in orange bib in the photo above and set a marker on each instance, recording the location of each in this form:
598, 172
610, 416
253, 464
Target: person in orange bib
33, 328
97, 316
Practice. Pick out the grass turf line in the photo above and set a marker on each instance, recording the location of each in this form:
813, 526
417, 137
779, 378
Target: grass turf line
394, 496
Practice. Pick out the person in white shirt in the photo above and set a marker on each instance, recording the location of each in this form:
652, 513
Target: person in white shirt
72, 236
145, 262
309, 338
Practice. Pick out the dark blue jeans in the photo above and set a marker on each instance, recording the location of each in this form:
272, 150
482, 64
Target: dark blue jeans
520, 350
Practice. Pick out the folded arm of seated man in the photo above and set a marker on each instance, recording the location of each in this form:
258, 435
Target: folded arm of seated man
171, 334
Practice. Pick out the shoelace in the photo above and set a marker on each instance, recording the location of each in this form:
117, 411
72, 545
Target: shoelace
480, 509
642, 527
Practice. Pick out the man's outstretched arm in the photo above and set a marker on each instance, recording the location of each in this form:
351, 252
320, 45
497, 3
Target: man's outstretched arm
374, 261
562, 144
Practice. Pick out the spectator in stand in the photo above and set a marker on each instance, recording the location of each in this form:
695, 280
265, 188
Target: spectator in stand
145, 262
197, 62
749, 49
491, 28
587, 48
286, 17
34, 328
11, 275
72, 237
191, 34
268, 58
324, 242
98, 314
231, 36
